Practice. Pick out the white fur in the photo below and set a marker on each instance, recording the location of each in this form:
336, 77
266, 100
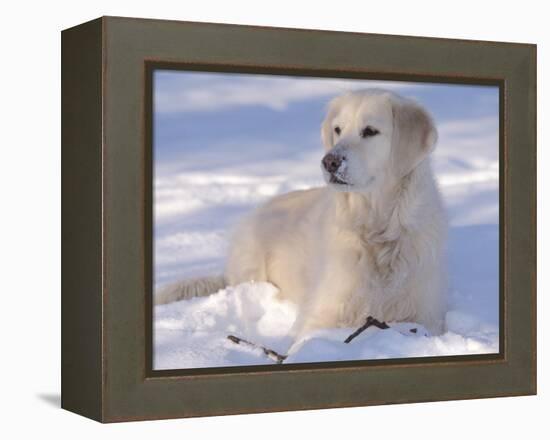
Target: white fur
372, 246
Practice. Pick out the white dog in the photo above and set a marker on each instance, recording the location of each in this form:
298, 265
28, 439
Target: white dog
371, 242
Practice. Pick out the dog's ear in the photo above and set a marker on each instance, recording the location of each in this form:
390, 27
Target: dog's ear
327, 133
414, 136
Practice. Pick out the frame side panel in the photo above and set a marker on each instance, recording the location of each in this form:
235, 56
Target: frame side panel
81, 213
521, 217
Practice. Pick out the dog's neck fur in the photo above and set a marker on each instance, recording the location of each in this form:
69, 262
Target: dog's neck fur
383, 214
385, 220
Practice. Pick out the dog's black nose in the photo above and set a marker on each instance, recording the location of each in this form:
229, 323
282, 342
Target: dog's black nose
332, 162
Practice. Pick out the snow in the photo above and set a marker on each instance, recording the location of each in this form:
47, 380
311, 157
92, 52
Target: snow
199, 198
193, 333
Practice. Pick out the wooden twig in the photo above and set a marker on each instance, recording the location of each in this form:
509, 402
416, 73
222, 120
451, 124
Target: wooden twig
368, 323
271, 354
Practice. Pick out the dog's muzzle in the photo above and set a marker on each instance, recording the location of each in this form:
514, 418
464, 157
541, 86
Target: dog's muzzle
334, 164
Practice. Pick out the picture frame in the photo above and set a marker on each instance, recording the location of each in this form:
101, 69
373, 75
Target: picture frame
107, 220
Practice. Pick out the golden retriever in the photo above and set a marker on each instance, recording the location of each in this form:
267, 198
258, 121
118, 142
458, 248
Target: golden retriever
370, 242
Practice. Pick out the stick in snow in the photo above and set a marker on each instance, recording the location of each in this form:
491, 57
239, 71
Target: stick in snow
368, 323
271, 354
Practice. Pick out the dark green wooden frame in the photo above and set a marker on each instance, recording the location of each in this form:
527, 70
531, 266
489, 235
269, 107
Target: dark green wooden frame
107, 222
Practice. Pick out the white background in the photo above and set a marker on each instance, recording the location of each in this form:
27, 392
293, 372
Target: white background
30, 220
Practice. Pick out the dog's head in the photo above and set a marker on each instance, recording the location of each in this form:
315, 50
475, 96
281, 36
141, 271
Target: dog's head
373, 135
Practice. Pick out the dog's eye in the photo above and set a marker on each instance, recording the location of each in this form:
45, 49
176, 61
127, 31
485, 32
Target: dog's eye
337, 130
369, 131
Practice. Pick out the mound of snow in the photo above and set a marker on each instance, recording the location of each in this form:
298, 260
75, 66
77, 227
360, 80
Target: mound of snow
193, 333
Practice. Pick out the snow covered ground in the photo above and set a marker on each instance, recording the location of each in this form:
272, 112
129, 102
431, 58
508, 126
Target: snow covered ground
215, 162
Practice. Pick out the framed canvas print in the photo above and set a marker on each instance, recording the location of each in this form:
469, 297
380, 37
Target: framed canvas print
264, 219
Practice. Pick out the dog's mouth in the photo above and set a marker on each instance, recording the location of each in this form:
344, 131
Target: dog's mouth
337, 181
